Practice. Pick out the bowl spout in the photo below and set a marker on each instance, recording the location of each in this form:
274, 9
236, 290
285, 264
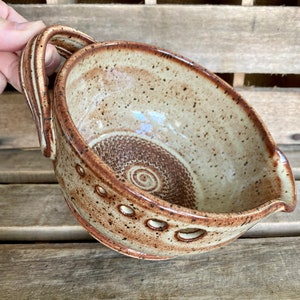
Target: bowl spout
287, 183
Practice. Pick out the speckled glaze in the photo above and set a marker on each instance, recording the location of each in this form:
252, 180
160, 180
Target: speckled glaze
156, 156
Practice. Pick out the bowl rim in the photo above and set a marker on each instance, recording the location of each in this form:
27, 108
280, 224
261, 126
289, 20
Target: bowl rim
103, 171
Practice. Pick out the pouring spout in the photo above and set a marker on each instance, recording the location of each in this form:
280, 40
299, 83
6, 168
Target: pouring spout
287, 182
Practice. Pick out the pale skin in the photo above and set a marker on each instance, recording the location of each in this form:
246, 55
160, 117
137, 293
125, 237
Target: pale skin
15, 32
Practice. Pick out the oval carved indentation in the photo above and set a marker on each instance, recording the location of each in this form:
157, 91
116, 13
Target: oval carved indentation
190, 234
156, 224
100, 190
126, 210
80, 170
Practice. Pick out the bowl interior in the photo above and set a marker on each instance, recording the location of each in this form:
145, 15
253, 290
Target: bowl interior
170, 128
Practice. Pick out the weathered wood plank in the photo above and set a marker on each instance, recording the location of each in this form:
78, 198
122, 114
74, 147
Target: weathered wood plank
17, 128
30, 205
279, 108
38, 212
25, 166
236, 39
247, 269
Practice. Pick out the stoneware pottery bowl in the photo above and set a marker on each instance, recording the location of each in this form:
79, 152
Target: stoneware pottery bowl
156, 156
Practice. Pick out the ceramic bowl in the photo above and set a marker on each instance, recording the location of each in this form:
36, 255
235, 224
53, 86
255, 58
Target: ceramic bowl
156, 156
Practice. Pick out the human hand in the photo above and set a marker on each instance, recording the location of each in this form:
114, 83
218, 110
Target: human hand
15, 31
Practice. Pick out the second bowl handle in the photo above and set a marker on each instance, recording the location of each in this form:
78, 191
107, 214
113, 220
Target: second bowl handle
34, 79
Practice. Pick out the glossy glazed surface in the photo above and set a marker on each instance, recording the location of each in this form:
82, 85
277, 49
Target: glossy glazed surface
156, 156
164, 125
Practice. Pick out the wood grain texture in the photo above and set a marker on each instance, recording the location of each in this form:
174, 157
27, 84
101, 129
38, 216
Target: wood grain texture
278, 108
38, 212
25, 166
246, 269
222, 38
40, 204
17, 128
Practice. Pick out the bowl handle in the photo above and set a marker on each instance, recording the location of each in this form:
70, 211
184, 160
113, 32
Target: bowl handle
34, 79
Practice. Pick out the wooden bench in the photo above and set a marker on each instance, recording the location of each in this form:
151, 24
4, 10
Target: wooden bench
46, 254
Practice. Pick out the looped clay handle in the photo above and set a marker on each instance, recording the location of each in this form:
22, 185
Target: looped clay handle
34, 80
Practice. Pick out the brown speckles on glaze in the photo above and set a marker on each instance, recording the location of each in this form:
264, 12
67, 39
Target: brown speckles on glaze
157, 157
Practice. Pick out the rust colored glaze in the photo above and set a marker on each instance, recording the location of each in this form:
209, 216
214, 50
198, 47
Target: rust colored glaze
157, 157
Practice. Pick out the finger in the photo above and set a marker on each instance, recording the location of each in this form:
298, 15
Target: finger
14, 36
52, 59
9, 68
8, 13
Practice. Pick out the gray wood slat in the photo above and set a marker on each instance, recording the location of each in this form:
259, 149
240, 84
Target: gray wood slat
222, 38
25, 166
246, 269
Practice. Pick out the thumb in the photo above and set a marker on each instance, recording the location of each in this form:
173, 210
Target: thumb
14, 36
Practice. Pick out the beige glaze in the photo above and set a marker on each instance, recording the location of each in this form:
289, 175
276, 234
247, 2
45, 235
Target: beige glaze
156, 156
